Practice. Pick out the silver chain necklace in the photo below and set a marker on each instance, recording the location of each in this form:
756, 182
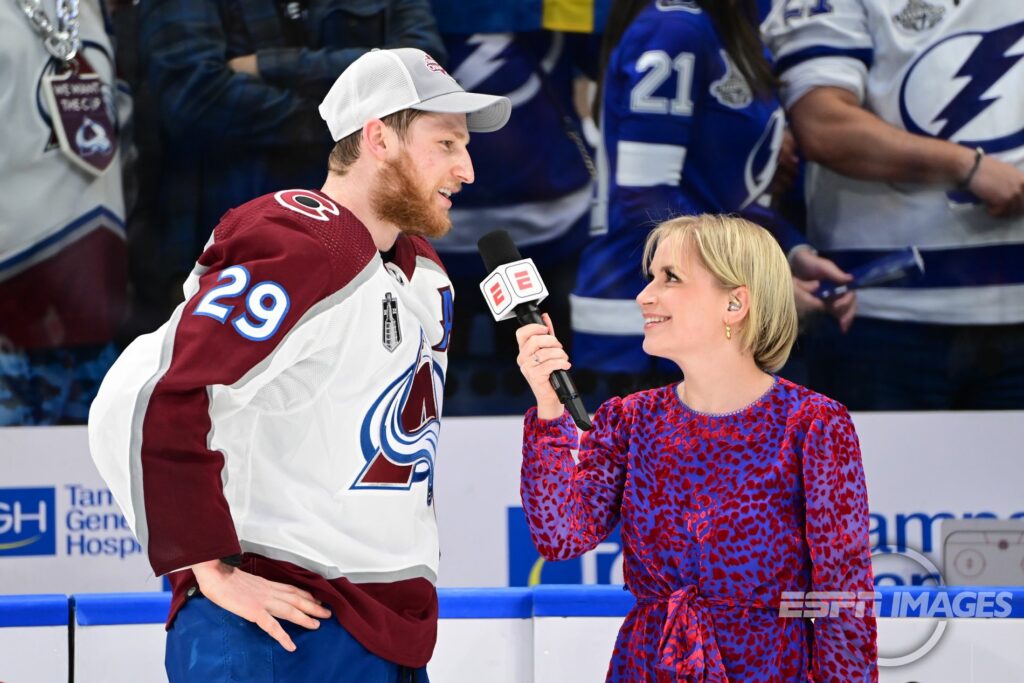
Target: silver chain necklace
61, 41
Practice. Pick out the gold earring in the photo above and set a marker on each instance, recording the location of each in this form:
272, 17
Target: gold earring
728, 332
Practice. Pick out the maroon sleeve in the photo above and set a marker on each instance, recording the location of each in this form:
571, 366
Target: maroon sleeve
187, 516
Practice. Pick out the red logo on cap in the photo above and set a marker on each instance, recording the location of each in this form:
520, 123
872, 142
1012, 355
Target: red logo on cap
433, 65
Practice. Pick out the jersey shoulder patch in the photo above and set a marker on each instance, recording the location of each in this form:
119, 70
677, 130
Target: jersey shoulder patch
342, 238
308, 203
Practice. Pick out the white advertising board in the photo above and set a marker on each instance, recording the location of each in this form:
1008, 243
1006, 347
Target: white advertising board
61, 532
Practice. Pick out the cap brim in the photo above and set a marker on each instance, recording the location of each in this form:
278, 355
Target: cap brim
484, 113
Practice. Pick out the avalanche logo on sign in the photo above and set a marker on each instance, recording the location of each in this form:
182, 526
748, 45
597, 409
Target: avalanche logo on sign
27, 522
400, 431
985, 92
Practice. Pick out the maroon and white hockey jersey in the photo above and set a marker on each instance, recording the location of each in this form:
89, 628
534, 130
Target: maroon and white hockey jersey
290, 409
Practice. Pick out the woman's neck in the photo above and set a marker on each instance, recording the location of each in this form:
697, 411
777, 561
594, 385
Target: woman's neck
723, 388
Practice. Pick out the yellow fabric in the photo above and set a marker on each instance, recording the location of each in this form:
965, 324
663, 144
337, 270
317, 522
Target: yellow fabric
576, 16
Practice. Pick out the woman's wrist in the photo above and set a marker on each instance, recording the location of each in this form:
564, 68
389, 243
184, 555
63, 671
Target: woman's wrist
550, 411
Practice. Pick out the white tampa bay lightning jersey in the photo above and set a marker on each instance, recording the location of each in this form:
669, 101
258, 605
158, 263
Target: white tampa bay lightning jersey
949, 69
291, 406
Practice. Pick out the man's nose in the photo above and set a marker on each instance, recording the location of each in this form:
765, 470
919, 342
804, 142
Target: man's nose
464, 168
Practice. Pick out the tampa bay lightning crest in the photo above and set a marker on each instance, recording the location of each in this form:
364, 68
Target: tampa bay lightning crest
984, 71
399, 432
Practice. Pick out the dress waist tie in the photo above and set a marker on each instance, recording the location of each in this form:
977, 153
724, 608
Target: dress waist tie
688, 650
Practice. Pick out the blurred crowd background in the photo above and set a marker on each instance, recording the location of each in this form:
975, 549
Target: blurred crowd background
119, 159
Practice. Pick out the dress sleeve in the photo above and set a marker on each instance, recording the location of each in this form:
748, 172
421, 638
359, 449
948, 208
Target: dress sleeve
571, 507
837, 534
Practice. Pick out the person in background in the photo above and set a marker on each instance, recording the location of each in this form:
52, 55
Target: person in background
539, 192
232, 86
690, 124
733, 487
911, 114
273, 444
62, 210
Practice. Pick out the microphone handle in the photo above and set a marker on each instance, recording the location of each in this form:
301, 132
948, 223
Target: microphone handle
561, 382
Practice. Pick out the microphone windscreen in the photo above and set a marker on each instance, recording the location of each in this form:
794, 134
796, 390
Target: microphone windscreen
496, 249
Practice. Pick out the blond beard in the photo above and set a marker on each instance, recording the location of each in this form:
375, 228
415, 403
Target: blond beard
396, 199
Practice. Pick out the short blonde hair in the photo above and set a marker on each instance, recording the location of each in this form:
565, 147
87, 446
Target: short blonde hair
739, 253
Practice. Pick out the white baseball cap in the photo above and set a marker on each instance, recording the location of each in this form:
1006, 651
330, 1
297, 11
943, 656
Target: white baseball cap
382, 82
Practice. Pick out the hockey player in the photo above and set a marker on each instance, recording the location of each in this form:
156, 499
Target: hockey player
913, 112
273, 444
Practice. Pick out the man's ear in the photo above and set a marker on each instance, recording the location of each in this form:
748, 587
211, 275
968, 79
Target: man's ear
377, 139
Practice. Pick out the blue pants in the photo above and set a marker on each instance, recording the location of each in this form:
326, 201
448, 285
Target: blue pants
207, 644
888, 365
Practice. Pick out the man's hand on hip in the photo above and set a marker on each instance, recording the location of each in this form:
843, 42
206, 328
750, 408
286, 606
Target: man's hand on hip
258, 600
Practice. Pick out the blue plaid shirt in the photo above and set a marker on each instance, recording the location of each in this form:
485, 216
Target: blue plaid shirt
228, 137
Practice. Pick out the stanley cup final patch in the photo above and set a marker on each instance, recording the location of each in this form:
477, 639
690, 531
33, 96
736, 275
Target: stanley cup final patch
919, 16
391, 331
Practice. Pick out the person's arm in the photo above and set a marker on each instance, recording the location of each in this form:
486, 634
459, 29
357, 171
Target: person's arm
257, 281
185, 52
837, 536
824, 54
410, 23
834, 130
569, 507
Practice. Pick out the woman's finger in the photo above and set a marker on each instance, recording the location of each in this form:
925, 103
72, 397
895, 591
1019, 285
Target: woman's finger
527, 331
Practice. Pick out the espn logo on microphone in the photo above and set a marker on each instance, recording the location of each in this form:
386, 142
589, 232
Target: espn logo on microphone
512, 284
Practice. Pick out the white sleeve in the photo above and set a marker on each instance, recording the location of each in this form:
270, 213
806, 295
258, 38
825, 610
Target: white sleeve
819, 43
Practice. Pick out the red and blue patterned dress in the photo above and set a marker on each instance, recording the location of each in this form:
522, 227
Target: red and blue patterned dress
720, 515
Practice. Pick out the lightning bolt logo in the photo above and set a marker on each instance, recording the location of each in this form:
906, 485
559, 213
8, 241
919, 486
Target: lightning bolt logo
987, 64
484, 61
494, 53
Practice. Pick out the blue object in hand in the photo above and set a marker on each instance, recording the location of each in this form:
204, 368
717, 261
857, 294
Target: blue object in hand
889, 268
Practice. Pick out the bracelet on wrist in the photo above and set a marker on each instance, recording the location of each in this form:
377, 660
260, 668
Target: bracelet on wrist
965, 184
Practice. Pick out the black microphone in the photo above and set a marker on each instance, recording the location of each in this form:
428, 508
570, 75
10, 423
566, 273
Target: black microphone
497, 249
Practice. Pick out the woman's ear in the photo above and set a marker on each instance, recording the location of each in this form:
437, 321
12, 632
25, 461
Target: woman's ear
739, 305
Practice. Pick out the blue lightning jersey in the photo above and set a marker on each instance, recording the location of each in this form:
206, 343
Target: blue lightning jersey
531, 179
947, 69
683, 133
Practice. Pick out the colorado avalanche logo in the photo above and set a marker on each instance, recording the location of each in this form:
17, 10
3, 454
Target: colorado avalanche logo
91, 138
400, 431
984, 73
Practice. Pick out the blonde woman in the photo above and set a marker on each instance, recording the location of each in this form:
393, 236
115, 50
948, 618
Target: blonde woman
733, 486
